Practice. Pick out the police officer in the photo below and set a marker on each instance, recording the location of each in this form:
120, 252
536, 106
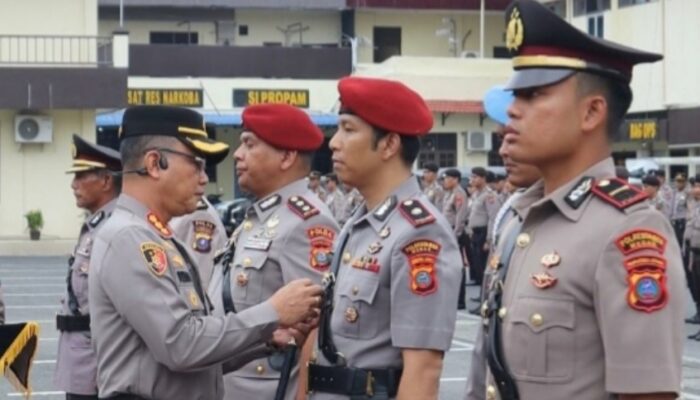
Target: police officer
380, 336
587, 273
481, 216
95, 187
455, 208
151, 320
204, 233
650, 185
315, 185
679, 207
288, 233
665, 190
335, 198
691, 244
431, 186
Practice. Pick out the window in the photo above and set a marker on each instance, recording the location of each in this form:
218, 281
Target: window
627, 3
439, 148
595, 26
558, 7
585, 7
243, 30
387, 43
174, 38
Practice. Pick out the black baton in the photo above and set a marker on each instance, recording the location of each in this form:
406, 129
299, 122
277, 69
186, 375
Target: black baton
290, 356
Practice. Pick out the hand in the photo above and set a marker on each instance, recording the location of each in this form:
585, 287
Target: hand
296, 302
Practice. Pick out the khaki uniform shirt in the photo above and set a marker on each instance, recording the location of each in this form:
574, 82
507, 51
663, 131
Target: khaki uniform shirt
150, 320
400, 264
335, 201
286, 236
484, 208
76, 364
203, 233
666, 192
455, 208
587, 290
435, 193
679, 204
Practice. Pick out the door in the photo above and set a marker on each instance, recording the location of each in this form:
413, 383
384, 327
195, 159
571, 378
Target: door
387, 43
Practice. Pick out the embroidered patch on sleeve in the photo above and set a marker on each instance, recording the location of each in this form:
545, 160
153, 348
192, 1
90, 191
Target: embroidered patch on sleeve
646, 279
156, 258
641, 239
203, 233
422, 258
321, 238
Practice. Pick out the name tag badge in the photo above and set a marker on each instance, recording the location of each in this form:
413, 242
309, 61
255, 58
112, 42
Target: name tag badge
257, 244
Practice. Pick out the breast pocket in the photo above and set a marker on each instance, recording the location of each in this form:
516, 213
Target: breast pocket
354, 315
542, 340
248, 278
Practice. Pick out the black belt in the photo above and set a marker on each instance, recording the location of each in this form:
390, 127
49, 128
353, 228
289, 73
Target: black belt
73, 323
124, 396
353, 381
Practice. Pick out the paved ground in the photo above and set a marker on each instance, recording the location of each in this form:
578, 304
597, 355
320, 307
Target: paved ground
34, 285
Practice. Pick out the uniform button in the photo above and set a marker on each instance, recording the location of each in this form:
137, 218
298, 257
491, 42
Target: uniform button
490, 393
536, 319
502, 312
346, 257
260, 369
351, 314
523, 240
247, 262
355, 290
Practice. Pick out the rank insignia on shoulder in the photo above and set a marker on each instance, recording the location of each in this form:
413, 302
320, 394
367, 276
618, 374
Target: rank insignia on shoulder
158, 225
96, 219
385, 208
618, 193
301, 207
422, 258
416, 213
321, 238
270, 202
203, 233
156, 258
580, 192
641, 239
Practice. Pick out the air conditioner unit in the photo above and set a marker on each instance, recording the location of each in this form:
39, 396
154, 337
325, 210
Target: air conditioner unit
478, 141
33, 129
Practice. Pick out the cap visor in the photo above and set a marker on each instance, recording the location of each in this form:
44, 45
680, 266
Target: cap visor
534, 77
214, 152
81, 168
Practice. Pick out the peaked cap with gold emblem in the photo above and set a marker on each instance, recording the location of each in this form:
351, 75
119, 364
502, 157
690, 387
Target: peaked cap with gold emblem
182, 123
546, 49
92, 157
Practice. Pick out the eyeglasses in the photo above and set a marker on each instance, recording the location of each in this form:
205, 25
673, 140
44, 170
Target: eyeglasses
198, 162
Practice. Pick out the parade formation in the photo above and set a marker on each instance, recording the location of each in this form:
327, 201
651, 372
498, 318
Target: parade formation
346, 285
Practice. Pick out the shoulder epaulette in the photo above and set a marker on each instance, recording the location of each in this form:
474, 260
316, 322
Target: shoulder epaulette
618, 193
416, 213
96, 219
301, 207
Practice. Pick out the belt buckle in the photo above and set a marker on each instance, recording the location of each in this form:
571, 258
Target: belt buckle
369, 384
309, 363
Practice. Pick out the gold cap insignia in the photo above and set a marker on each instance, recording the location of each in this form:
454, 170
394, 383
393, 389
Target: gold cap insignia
514, 31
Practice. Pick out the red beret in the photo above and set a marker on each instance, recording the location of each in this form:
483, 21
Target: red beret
283, 126
385, 104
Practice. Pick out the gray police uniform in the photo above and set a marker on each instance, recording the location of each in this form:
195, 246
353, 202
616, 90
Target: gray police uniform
666, 193
483, 211
204, 233
150, 318
659, 204
573, 325
435, 194
76, 363
456, 209
336, 204
399, 265
285, 236
679, 212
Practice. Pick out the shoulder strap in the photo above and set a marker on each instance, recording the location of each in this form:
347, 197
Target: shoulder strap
618, 192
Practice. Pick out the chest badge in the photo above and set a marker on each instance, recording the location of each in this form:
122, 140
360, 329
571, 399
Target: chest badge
242, 279
543, 280
374, 248
385, 232
351, 315
272, 222
551, 260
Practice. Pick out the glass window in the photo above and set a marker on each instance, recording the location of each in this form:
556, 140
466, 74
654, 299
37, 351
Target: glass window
585, 7
595, 26
627, 3
174, 37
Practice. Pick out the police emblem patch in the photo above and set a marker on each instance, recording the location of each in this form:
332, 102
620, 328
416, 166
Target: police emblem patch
422, 258
321, 238
203, 233
646, 278
156, 259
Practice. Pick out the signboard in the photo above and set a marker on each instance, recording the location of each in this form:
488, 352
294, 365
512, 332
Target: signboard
165, 97
249, 97
643, 130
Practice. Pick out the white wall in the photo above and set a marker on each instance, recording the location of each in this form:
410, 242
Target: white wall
48, 17
139, 31
324, 26
32, 175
